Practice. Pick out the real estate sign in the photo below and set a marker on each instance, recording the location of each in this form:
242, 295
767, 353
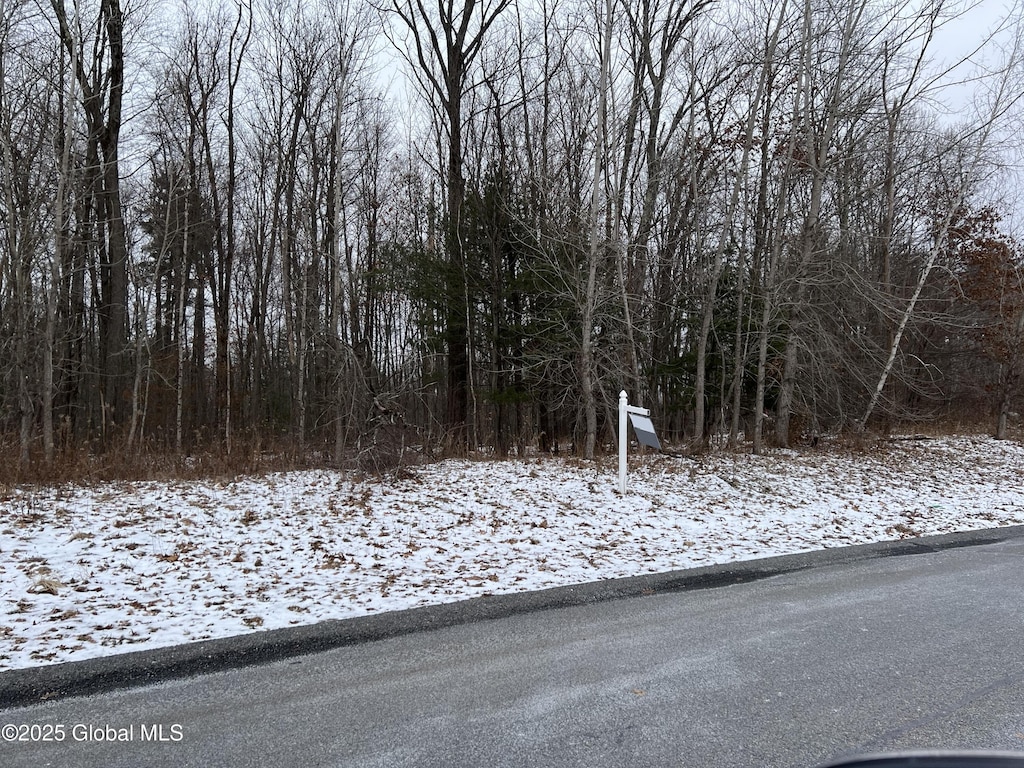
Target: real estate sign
644, 429
642, 425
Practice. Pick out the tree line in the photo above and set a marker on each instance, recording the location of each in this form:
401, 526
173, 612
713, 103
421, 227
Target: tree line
234, 224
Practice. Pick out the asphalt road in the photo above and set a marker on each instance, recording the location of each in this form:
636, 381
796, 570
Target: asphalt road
901, 652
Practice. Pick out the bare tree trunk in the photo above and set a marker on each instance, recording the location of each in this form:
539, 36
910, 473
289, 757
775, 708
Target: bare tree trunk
302, 344
134, 424
336, 296
115, 300
1011, 373
16, 255
764, 331
239, 42
596, 249
101, 90
738, 354
48, 358
61, 229
773, 253
179, 331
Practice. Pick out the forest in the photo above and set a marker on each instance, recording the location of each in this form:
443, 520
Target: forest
352, 231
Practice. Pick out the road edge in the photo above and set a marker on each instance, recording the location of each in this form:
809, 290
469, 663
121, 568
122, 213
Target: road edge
26, 687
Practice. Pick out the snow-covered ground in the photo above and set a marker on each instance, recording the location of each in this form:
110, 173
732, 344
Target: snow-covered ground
90, 571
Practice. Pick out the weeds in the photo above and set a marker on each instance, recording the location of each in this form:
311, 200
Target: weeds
389, 456
91, 462
45, 585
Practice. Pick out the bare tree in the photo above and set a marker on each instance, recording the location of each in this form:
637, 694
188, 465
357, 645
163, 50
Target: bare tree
101, 79
966, 162
445, 42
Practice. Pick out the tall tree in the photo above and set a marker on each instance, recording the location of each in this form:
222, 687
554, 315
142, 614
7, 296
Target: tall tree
445, 42
99, 68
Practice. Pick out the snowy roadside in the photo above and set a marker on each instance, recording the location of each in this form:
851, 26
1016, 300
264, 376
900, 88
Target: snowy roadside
93, 571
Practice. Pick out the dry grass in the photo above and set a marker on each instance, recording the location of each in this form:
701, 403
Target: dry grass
46, 585
92, 463
89, 463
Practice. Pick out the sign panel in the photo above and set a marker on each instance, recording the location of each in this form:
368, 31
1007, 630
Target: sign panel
644, 431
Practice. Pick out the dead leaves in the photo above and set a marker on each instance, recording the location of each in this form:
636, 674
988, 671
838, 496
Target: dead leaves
326, 545
333, 562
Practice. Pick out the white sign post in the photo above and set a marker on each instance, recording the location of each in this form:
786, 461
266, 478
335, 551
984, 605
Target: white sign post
640, 417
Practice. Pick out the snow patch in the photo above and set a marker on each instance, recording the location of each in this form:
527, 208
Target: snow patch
92, 571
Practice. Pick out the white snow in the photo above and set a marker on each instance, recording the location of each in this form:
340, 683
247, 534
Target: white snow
91, 571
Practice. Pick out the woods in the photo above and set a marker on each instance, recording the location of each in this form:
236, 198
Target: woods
349, 230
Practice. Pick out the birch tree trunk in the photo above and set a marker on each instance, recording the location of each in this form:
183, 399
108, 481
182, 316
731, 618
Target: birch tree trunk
1004, 95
